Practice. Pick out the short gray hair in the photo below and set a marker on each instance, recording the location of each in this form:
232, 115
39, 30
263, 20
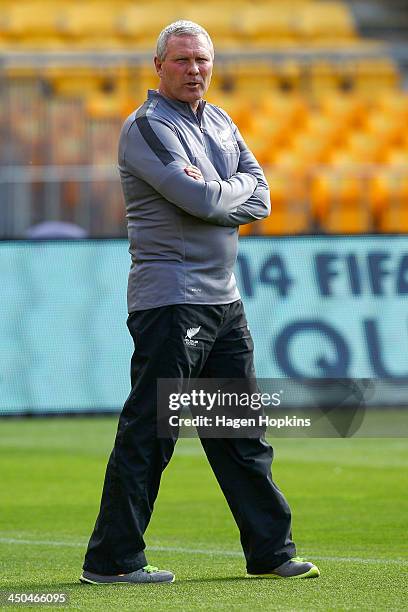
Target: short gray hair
180, 28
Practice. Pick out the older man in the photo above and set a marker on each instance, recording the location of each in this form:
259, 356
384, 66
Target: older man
189, 181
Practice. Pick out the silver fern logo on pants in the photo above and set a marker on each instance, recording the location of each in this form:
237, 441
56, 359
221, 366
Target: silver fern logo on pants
191, 332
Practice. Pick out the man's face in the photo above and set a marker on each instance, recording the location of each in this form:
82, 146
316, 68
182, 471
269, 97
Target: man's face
185, 73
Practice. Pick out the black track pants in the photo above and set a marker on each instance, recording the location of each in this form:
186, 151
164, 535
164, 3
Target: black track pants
242, 467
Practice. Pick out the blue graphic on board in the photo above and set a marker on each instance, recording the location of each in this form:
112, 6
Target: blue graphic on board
327, 306
317, 307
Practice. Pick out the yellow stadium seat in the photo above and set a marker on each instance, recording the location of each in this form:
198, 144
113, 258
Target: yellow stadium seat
260, 146
239, 108
348, 219
90, 21
386, 127
265, 23
321, 126
345, 110
394, 104
397, 158
287, 75
139, 25
147, 78
80, 81
374, 75
289, 110
246, 76
310, 149
388, 188
291, 219
378, 192
342, 159
272, 129
290, 162
366, 148
395, 217
101, 106
335, 195
36, 26
286, 184
322, 76
350, 190
218, 19
320, 195
246, 230
278, 186
327, 20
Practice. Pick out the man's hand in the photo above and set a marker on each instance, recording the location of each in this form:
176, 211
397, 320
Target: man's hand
194, 172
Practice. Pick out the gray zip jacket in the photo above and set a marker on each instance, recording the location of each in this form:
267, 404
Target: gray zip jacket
183, 232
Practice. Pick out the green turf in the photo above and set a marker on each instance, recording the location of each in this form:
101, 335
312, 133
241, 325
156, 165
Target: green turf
348, 496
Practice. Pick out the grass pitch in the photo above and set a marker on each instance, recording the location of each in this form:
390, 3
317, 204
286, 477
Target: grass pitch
348, 496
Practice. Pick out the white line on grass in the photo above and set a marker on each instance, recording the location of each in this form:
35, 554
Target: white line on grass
202, 551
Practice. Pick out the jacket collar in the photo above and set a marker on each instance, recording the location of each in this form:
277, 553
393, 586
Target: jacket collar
182, 107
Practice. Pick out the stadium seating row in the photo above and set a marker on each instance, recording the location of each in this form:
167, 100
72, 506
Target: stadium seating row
107, 24
347, 201
339, 130
284, 129
337, 164
330, 133
115, 89
363, 74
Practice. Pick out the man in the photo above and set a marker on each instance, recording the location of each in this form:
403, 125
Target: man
189, 181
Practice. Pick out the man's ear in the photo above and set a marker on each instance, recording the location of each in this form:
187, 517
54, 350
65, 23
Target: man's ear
158, 66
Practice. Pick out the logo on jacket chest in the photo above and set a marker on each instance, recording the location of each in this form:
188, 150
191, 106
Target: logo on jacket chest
227, 140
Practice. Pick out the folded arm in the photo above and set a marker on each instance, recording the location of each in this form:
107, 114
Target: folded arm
151, 150
258, 205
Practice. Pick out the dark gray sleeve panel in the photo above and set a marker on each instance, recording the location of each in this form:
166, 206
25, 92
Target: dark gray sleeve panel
155, 154
152, 140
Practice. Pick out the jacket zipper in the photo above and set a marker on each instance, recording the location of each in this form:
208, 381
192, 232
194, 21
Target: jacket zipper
203, 135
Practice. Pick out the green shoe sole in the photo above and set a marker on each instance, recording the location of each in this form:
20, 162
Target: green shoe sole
312, 573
